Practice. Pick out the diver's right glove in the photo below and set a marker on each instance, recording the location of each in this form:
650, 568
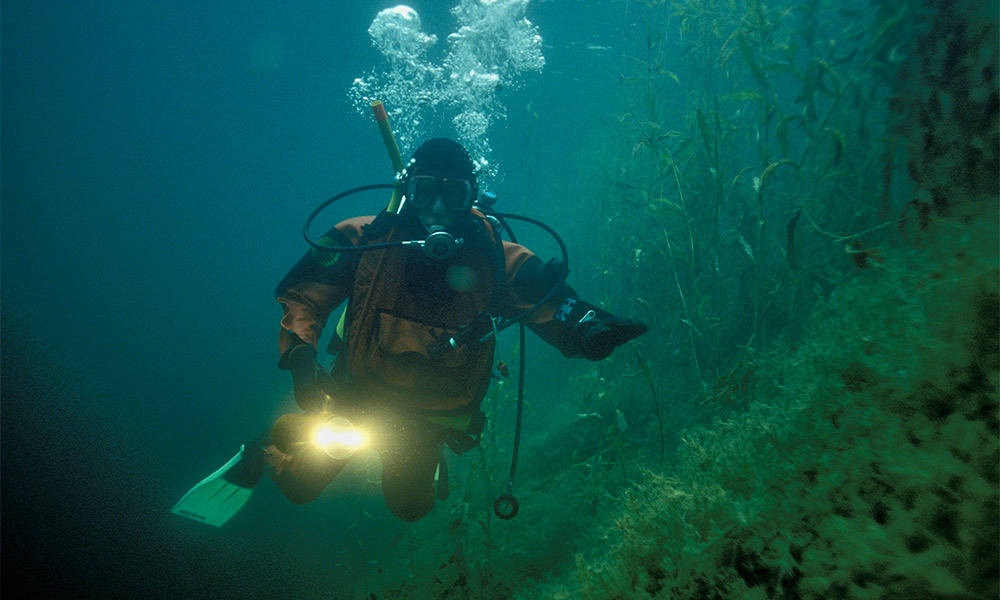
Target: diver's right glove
309, 380
598, 332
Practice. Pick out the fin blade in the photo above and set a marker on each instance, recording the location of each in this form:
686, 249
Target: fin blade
214, 500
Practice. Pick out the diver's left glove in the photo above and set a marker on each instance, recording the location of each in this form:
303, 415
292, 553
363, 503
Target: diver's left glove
598, 332
309, 380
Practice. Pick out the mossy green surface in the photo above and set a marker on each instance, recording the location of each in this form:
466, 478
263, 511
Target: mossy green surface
866, 462
852, 377
866, 466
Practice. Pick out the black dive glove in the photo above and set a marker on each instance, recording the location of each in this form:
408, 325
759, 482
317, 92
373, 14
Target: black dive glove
598, 332
309, 380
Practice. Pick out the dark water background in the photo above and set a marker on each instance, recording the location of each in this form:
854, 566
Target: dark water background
158, 162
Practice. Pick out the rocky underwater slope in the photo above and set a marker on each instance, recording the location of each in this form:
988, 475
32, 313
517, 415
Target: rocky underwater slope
866, 464
867, 467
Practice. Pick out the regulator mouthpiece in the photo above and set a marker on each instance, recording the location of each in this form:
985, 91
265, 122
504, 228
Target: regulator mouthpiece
440, 244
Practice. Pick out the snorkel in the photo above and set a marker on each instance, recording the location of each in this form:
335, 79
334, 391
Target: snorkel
389, 139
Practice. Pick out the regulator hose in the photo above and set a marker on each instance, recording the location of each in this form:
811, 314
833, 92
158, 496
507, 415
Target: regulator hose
322, 207
506, 505
505, 323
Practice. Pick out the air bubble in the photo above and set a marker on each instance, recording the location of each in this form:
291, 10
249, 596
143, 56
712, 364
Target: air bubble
492, 46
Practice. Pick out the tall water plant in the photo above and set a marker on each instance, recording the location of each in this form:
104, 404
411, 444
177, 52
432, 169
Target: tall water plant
751, 164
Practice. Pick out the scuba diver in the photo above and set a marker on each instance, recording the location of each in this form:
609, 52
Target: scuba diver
414, 350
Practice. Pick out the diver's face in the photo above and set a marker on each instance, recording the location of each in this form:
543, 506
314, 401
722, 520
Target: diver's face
436, 214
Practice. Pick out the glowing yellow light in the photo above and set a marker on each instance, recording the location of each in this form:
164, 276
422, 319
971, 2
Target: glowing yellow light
339, 438
327, 436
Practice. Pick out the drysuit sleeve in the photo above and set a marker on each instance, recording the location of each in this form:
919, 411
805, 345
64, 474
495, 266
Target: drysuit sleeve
528, 280
315, 286
577, 328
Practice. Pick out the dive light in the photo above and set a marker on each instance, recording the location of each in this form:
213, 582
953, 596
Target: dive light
339, 438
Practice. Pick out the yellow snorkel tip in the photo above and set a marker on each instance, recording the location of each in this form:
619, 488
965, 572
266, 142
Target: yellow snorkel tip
389, 139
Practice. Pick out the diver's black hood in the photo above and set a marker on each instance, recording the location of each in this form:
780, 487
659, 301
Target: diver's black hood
442, 157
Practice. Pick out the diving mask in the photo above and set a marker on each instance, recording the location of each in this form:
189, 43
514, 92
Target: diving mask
457, 194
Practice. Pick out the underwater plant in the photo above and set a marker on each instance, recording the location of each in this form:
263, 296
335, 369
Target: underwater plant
806, 193
863, 459
866, 465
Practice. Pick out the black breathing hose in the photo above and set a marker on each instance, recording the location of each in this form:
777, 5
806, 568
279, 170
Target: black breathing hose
322, 207
506, 506
555, 287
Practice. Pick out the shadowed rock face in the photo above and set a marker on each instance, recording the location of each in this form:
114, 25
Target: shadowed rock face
950, 106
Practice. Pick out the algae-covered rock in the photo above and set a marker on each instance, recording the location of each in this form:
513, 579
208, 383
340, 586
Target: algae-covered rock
865, 468
866, 463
